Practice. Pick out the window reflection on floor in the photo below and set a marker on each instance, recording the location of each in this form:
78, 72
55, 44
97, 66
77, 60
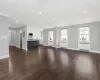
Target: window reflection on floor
10, 66
64, 59
85, 68
40, 53
51, 55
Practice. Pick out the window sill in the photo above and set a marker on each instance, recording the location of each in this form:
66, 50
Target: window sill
83, 42
50, 41
63, 41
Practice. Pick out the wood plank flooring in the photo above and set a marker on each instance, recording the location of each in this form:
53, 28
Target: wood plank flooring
50, 64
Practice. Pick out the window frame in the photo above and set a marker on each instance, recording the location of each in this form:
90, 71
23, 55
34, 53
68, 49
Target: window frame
85, 34
61, 40
50, 35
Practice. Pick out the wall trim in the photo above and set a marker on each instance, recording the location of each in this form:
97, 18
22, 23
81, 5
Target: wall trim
94, 51
5, 56
50, 47
76, 49
25, 49
57, 47
11, 44
22, 48
17, 47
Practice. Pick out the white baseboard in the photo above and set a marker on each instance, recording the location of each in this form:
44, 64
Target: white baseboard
5, 56
94, 51
57, 47
10, 44
54, 46
25, 49
17, 46
45, 45
22, 48
73, 49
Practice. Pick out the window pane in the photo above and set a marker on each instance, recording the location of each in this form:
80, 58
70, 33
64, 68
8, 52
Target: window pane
87, 28
84, 34
64, 35
64, 38
50, 36
64, 31
81, 32
84, 38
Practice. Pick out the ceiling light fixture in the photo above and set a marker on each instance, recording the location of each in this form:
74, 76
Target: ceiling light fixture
40, 13
54, 19
17, 21
85, 11
9, 25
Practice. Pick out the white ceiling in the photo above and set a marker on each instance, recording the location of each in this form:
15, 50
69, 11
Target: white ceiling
49, 13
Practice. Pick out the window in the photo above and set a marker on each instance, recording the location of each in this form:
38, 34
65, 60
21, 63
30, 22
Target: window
64, 35
84, 34
50, 38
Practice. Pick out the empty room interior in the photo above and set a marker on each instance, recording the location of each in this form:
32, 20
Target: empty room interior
49, 39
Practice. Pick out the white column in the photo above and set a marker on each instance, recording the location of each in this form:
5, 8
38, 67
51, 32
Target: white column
57, 37
4, 38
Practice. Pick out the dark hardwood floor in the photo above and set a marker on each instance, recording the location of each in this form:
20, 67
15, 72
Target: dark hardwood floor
50, 64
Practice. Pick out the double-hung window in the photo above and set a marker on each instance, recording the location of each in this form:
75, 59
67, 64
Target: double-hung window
84, 35
64, 35
50, 37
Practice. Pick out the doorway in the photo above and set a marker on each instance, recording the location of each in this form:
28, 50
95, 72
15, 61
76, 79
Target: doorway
21, 39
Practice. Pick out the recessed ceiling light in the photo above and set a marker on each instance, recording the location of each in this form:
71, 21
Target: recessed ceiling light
40, 13
9, 25
17, 21
85, 11
54, 19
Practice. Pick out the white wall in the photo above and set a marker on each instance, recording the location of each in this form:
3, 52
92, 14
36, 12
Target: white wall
4, 35
50, 43
36, 32
41, 40
15, 37
58, 35
24, 38
9, 36
95, 37
45, 37
73, 37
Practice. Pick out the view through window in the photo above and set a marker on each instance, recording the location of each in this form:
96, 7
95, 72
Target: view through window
84, 34
64, 35
50, 38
